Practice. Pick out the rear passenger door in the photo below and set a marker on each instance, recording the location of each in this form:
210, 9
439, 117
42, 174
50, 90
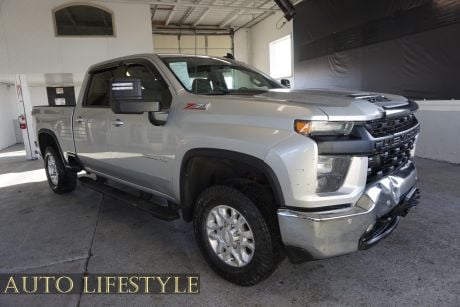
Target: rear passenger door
91, 120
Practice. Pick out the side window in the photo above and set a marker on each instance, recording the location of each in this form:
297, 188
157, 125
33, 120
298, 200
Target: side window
154, 88
237, 79
99, 88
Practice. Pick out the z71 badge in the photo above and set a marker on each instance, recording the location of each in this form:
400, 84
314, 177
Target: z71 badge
196, 106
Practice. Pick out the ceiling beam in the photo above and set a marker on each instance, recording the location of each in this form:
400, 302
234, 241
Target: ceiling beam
215, 6
232, 16
202, 16
256, 20
188, 13
236, 14
172, 12
259, 17
190, 30
153, 9
263, 16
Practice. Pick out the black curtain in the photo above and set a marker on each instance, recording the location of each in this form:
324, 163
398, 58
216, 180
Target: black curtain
407, 47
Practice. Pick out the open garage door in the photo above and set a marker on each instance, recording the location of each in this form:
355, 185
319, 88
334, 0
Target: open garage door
215, 45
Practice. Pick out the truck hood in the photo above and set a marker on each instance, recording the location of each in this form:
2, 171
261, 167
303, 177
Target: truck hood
339, 105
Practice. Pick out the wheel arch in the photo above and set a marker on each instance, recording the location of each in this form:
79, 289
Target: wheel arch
47, 138
215, 161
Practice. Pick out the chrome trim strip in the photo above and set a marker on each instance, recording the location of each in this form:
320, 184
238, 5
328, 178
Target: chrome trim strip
321, 217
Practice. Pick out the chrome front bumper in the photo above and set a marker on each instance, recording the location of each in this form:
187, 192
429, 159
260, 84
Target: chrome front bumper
327, 234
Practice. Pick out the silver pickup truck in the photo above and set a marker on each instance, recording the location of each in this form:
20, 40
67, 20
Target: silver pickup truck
262, 171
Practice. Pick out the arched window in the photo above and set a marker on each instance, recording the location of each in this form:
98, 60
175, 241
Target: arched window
83, 20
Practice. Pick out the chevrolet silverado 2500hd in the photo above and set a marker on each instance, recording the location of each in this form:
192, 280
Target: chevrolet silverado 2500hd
262, 171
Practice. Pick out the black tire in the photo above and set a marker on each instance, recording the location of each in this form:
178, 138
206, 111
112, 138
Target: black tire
264, 201
265, 258
66, 178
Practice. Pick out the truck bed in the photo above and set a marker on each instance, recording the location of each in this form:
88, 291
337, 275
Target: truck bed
58, 120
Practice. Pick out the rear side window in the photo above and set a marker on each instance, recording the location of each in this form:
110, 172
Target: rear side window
99, 88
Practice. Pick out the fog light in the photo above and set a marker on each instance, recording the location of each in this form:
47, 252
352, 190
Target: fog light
331, 172
365, 203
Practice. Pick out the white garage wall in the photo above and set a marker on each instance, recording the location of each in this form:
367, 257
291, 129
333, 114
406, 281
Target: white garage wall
28, 43
241, 45
260, 37
31, 47
440, 127
37, 83
8, 112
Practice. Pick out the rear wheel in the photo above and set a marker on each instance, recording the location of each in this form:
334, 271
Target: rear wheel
233, 236
60, 179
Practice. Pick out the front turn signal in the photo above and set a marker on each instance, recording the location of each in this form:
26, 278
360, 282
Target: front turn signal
310, 127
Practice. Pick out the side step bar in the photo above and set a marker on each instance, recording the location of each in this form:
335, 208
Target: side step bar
158, 211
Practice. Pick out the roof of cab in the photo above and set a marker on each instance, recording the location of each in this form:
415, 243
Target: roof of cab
150, 55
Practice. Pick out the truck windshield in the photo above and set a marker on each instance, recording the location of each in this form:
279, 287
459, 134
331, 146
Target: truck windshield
214, 76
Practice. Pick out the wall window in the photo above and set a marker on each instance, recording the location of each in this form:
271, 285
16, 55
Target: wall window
83, 20
281, 58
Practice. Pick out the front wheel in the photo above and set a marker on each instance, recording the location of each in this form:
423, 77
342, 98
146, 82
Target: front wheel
233, 236
60, 179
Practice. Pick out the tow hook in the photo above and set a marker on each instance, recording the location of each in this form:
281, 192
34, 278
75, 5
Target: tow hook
411, 199
387, 223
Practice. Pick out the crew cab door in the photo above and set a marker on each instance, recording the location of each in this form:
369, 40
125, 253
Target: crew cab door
141, 151
91, 119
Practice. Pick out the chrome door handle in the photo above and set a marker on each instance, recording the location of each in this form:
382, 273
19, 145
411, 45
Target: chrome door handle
80, 120
117, 123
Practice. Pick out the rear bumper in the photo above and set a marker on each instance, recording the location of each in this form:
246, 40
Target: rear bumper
319, 235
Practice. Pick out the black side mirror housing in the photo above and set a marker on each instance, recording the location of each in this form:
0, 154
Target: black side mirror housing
286, 83
126, 97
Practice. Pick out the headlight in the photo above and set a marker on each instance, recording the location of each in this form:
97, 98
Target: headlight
307, 127
331, 172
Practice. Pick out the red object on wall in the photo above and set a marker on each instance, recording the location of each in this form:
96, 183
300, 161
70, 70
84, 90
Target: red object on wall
22, 122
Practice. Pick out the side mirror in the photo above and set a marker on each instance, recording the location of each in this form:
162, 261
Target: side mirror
286, 83
126, 97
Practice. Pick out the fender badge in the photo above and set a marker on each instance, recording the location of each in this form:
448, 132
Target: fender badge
196, 106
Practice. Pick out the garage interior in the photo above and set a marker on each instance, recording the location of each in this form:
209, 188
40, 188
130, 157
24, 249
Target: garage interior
402, 47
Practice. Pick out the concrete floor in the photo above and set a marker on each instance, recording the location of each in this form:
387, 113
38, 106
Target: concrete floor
44, 232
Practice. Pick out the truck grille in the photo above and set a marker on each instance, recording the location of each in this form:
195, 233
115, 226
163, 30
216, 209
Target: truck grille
391, 151
386, 126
